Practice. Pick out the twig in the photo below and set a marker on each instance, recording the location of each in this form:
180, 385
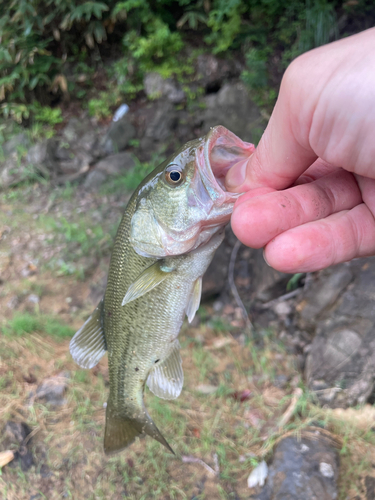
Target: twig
233, 287
289, 411
216, 461
286, 296
32, 434
189, 459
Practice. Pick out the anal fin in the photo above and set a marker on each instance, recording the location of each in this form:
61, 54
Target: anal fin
88, 345
166, 378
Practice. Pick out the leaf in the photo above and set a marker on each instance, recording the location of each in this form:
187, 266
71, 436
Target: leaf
6, 457
241, 396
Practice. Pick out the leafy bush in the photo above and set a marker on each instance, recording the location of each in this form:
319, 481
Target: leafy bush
41, 40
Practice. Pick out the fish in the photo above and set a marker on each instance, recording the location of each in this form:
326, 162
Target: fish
170, 230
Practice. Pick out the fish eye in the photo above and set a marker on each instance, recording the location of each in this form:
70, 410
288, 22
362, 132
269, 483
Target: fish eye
174, 175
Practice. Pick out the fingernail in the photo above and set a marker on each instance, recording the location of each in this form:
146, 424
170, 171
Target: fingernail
237, 174
264, 257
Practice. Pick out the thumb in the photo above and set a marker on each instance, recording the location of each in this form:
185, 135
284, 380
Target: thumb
282, 155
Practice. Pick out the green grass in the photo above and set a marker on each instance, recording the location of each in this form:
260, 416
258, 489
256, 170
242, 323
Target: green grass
131, 179
25, 323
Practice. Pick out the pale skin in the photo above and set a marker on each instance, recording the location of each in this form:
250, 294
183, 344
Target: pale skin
309, 188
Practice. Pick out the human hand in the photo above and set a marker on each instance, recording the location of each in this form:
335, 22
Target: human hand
310, 185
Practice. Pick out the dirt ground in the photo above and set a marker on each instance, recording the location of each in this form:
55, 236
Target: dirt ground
54, 255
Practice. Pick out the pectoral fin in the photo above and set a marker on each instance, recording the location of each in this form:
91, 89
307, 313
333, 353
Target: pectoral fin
146, 281
194, 300
167, 378
88, 344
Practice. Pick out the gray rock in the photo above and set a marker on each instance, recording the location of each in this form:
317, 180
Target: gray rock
13, 438
370, 487
303, 468
11, 172
162, 123
94, 180
340, 365
42, 152
42, 157
52, 389
325, 290
115, 164
212, 71
14, 433
233, 108
75, 128
15, 170
111, 166
215, 278
14, 143
156, 86
118, 136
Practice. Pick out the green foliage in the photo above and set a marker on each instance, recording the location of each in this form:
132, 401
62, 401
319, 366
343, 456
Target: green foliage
45, 114
26, 323
21, 324
41, 40
102, 106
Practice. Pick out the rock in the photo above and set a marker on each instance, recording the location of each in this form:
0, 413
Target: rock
156, 86
10, 172
161, 124
232, 108
75, 128
258, 475
370, 487
212, 71
52, 389
94, 180
303, 468
118, 136
13, 437
325, 290
265, 282
42, 152
34, 299
115, 164
14, 433
215, 279
13, 144
340, 365
111, 166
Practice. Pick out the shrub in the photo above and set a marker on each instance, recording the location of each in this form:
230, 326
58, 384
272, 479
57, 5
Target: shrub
40, 40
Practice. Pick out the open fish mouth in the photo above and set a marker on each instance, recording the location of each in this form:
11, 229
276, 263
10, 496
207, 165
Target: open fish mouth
221, 151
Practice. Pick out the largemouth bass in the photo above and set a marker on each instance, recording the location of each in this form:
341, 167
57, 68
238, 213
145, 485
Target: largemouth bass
168, 235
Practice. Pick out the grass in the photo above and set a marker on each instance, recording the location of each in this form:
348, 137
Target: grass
195, 425
25, 323
68, 441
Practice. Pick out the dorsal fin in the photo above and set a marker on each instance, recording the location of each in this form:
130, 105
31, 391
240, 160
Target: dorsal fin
88, 345
166, 378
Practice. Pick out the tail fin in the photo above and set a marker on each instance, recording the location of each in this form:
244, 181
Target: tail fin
121, 431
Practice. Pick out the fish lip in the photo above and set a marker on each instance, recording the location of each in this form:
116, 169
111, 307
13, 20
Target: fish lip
207, 170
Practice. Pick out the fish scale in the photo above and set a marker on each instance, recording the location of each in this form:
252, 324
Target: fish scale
168, 235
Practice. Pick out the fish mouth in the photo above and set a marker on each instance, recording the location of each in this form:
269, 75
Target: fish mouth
222, 150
